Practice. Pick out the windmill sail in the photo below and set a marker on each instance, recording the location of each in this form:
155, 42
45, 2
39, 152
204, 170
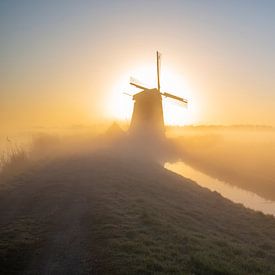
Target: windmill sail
174, 97
137, 83
158, 70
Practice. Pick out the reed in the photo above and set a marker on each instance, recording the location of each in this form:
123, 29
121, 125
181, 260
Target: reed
12, 160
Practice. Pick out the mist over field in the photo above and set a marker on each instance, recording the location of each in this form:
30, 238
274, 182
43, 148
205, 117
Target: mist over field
243, 156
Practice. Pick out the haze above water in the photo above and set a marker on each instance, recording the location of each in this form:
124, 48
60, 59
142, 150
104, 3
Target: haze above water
223, 158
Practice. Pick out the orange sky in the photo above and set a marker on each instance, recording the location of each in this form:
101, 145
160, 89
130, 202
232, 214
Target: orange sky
69, 62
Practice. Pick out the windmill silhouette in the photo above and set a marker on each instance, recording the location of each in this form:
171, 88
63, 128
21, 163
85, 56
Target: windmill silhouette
147, 119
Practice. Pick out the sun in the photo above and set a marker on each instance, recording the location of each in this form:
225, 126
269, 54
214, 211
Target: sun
121, 103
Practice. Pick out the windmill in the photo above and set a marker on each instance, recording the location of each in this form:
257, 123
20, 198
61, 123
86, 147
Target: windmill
147, 118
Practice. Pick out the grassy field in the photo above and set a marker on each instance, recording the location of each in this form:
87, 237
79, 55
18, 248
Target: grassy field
108, 213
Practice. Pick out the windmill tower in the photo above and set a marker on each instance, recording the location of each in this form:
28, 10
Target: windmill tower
147, 119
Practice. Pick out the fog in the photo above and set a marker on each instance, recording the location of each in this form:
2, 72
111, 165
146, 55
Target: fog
243, 156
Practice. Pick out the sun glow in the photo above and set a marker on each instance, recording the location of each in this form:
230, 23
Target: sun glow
120, 106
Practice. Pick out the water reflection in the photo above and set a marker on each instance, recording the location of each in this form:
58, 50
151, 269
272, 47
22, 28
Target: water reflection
235, 194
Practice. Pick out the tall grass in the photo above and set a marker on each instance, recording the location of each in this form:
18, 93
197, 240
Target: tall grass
12, 160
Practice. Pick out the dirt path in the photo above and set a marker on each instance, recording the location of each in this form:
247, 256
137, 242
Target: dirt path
45, 214
66, 251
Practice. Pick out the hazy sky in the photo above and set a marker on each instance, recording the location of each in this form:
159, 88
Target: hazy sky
68, 62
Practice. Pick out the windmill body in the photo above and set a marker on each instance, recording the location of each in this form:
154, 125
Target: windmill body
147, 119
